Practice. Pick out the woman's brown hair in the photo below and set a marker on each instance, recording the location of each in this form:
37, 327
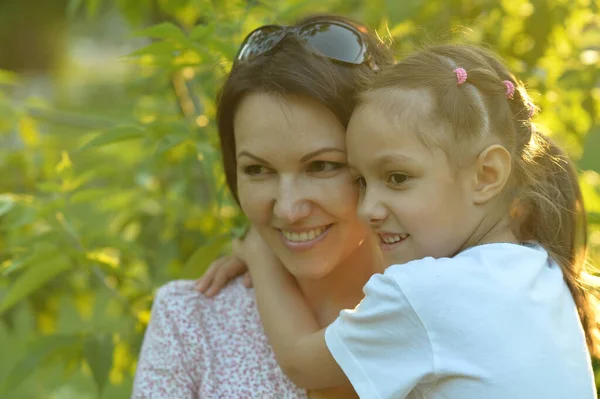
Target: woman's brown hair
291, 68
543, 195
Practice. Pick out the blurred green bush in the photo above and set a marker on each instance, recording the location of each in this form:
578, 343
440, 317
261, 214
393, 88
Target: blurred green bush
110, 192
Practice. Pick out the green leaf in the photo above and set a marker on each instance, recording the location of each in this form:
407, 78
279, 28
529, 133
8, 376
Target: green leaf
8, 77
73, 7
98, 353
169, 142
92, 8
49, 187
89, 195
42, 250
202, 32
223, 46
21, 215
398, 11
14, 265
164, 30
197, 264
160, 50
135, 11
36, 354
114, 135
6, 203
590, 159
33, 278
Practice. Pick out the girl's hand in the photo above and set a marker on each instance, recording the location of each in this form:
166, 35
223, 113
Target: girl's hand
226, 268
254, 250
221, 272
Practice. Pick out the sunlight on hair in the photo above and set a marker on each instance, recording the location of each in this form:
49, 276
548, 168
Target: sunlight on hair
535, 146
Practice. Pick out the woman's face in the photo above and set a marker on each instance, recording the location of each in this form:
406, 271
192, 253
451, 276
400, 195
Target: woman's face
293, 183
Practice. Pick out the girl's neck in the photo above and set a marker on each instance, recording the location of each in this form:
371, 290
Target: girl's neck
342, 288
498, 230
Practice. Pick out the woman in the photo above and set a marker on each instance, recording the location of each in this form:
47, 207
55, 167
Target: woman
282, 115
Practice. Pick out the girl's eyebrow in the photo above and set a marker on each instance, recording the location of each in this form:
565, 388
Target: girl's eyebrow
388, 160
397, 159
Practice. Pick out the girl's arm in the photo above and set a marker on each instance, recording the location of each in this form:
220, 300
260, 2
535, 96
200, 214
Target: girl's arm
297, 340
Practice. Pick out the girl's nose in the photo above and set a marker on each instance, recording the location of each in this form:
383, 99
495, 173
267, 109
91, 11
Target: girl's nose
371, 210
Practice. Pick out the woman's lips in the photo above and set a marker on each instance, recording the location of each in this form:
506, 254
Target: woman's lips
304, 239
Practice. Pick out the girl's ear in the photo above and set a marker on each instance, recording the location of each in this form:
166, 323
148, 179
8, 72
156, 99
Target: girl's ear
493, 169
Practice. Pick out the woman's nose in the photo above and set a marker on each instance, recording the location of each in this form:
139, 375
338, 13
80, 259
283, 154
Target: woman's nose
291, 204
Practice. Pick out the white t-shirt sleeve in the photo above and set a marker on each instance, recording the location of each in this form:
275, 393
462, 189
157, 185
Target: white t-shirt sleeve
381, 345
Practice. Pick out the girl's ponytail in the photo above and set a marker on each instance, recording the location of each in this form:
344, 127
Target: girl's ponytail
550, 210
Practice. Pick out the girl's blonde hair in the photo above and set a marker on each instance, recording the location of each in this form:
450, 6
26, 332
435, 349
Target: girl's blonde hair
546, 203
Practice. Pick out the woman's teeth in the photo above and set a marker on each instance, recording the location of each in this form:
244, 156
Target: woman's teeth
303, 236
394, 239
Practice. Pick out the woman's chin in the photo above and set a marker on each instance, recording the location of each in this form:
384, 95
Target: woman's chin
307, 270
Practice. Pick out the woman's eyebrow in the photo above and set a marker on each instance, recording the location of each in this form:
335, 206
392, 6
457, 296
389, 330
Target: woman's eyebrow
303, 159
250, 155
320, 151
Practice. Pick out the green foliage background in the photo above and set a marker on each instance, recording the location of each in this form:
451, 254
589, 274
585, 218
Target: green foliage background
110, 182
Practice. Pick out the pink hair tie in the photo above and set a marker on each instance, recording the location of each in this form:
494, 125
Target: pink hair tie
461, 76
531, 109
510, 89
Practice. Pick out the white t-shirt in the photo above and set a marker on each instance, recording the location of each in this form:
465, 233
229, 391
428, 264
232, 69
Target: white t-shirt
497, 321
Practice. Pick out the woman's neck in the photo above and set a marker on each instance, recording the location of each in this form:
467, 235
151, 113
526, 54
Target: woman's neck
342, 288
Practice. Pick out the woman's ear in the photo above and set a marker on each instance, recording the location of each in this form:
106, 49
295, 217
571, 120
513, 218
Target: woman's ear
493, 169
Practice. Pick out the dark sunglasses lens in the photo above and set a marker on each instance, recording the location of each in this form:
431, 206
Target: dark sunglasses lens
334, 41
260, 41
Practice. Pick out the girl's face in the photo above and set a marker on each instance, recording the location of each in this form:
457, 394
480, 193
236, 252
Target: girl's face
411, 195
293, 182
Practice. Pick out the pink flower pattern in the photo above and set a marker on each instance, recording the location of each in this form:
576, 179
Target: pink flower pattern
199, 347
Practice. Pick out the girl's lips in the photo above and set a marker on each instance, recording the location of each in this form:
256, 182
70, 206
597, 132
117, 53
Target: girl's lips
304, 245
391, 246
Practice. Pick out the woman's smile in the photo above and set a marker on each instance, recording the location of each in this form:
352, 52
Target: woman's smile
303, 239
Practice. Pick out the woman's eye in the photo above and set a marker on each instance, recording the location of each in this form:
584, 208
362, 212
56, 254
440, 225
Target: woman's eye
397, 178
324, 166
255, 170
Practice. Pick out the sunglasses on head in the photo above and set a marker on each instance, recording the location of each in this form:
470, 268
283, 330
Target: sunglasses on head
337, 41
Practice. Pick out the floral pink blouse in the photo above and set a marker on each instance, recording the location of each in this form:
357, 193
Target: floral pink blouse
199, 347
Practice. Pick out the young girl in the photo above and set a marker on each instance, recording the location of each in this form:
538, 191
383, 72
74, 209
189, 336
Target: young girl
481, 221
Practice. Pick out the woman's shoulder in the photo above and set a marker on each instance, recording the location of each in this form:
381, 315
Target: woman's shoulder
233, 308
220, 340
183, 293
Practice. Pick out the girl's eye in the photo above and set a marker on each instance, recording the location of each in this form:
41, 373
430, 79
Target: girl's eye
256, 170
397, 179
324, 166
